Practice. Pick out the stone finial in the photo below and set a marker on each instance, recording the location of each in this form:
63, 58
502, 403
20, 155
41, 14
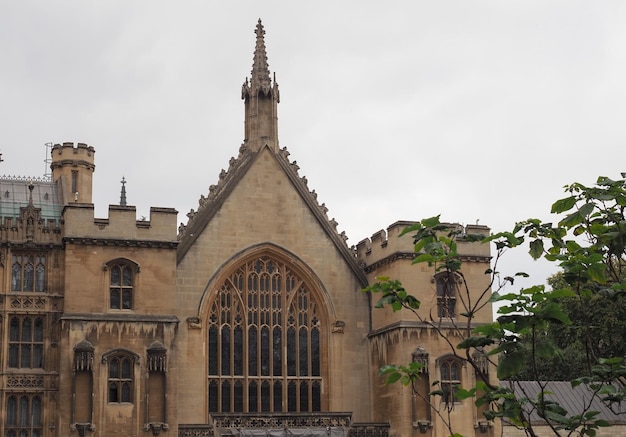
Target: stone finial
260, 75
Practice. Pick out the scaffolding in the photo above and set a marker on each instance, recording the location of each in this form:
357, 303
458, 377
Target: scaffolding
47, 172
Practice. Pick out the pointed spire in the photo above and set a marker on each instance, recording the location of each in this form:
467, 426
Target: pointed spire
123, 193
260, 75
261, 98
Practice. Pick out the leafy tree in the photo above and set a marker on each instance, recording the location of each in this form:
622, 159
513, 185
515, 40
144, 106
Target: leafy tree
588, 243
597, 331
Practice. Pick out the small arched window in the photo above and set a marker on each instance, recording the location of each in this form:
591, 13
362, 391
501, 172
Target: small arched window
120, 378
450, 372
121, 284
446, 294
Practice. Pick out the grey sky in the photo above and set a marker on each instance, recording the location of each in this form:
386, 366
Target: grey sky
478, 110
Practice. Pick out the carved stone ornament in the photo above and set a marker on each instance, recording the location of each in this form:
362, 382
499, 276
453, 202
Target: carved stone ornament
82, 428
157, 357
338, 326
83, 360
156, 427
194, 323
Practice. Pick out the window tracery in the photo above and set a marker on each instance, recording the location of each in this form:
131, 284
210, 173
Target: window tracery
28, 272
264, 341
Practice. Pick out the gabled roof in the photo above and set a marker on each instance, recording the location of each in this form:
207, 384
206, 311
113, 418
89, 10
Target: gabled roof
228, 180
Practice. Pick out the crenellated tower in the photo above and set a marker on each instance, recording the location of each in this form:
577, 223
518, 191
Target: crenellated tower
72, 170
261, 98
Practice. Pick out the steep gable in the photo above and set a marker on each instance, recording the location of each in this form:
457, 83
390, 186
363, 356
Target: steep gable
238, 170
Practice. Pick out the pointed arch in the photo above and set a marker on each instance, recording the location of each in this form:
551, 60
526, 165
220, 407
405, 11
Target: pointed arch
271, 249
266, 324
450, 369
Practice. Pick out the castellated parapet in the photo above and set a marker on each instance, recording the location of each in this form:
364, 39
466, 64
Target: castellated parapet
384, 245
121, 227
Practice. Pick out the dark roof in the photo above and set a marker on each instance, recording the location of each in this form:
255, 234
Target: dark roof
573, 399
14, 194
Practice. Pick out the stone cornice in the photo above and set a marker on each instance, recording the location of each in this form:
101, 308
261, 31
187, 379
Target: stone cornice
89, 241
411, 255
416, 324
120, 317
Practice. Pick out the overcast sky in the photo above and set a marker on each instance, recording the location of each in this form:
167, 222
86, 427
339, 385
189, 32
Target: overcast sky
478, 110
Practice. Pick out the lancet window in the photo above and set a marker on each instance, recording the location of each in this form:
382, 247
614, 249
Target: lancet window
264, 341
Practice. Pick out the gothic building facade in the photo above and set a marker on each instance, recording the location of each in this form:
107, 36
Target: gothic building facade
247, 320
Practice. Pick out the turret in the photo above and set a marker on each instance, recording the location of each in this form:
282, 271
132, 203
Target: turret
261, 100
72, 170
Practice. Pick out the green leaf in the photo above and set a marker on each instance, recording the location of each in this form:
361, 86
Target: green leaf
597, 272
586, 209
511, 364
563, 205
571, 220
475, 342
462, 393
393, 377
536, 248
432, 221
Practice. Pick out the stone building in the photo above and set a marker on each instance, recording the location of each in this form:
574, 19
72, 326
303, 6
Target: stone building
248, 319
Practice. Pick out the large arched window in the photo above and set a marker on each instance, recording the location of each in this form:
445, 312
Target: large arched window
264, 341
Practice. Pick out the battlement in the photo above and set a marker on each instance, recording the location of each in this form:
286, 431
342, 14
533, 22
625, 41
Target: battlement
383, 244
79, 149
121, 225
